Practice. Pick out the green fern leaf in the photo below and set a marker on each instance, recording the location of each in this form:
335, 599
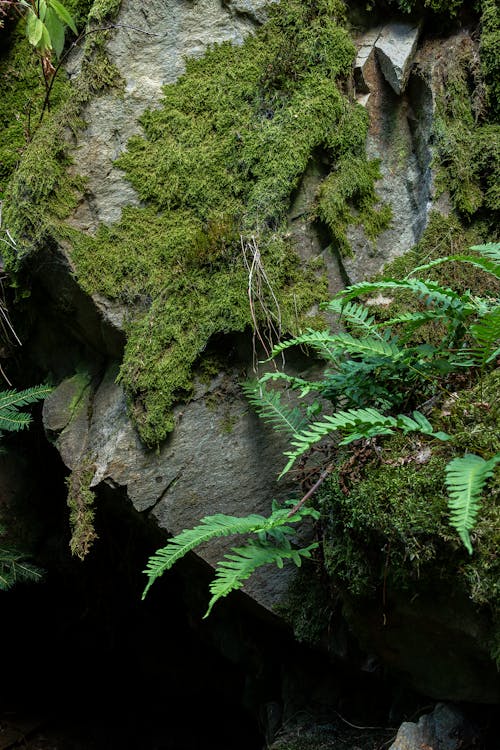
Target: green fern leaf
209, 527
10, 401
490, 250
357, 423
323, 342
305, 386
429, 291
215, 526
14, 569
487, 334
234, 569
465, 479
356, 314
332, 346
268, 405
486, 264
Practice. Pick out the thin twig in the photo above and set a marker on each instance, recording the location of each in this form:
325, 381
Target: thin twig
356, 726
324, 474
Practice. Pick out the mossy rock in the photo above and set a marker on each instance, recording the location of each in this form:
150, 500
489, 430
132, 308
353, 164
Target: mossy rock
216, 170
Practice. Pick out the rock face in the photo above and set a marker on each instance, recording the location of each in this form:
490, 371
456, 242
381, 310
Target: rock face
148, 48
445, 728
400, 103
395, 47
220, 458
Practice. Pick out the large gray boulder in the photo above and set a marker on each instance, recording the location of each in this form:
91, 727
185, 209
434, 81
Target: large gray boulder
219, 459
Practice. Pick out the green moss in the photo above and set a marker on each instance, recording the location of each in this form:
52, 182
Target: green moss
490, 53
22, 92
80, 502
307, 606
388, 526
347, 196
41, 192
217, 166
467, 146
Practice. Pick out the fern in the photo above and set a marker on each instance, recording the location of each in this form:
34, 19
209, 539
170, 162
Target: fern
465, 479
234, 569
490, 262
11, 418
269, 407
305, 386
356, 314
358, 423
491, 251
276, 526
429, 291
14, 568
487, 335
334, 345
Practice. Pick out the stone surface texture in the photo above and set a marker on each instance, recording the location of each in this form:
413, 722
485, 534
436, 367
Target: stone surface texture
148, 48
443, 729
399, 138
219, 459
395, 47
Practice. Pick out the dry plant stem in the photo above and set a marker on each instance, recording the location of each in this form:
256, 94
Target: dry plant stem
324, 474
257, 280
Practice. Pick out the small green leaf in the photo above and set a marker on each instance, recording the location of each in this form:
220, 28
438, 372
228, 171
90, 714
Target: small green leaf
42, 9
56, 31
63, 14
45, 44
34, 29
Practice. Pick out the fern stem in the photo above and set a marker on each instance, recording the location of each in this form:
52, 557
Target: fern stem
324, 474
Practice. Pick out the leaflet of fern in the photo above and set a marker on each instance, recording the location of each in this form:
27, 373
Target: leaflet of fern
465, 479
234, 569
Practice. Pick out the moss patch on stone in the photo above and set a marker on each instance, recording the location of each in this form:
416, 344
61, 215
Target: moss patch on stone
467, 143
490, 53
40, 191
216, 169
389, 527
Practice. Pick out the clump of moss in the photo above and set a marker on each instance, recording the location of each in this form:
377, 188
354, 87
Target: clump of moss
22, 91
347, 196
216, 168
40, 192
490, 54
467, 146
80, 502
389, 528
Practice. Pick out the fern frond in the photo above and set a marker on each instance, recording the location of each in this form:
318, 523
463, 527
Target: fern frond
486, 264
342, 343
14, 569
490, 250
268, 405
356, 314
465, 479
414, 320
323, 342
429, 291
304, 386
215, 526
487, 335
209, 527
358, 423
10, 401
236, 567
